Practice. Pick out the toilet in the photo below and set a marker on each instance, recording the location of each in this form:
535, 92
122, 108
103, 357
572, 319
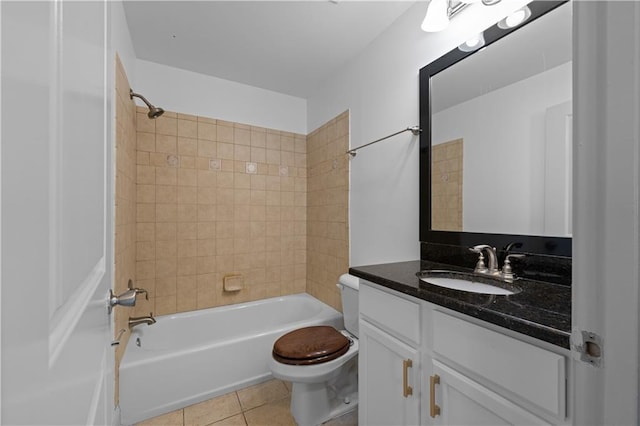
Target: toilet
322, 363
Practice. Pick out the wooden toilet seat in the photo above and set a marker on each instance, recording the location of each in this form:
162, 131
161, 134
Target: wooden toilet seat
310, 345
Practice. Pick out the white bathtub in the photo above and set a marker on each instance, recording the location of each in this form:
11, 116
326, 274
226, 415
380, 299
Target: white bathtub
194, 356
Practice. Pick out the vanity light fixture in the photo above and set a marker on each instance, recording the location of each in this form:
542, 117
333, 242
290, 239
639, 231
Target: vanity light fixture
473, 43
437, 16
439, 12
515, 19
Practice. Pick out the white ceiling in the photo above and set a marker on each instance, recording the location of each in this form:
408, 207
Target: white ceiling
289, 47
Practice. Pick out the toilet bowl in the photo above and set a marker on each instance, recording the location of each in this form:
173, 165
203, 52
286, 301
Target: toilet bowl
322, 364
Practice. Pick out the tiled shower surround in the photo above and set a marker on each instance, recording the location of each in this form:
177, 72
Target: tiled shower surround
198, 199
328, 209
216, 198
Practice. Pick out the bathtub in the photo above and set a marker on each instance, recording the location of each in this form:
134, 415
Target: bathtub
190, 357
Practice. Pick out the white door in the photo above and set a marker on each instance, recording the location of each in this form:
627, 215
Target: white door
606, 238
56, 214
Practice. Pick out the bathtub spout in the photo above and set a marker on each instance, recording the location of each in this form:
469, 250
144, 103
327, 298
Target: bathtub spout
133, 321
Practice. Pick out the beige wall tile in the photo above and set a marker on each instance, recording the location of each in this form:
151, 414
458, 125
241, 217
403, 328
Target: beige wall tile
146, 142
146, 231
187, 128
207, 131
242, 136
146, 175
187, 145
167, 125
165, 305
146, 193
166, 231
187, 212
166, 144
166, 194
166, 213
187, 248
213, 220
187, 266
225, 133
273, 140
166, 176
146, 212
187, 194
187, 162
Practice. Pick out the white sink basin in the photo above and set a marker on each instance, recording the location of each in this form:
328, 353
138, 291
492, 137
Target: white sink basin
467, 285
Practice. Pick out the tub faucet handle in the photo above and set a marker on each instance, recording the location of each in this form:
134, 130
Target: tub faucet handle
137, 290
128, 298
142, 291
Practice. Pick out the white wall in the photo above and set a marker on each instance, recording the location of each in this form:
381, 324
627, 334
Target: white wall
192, 93
380, 88
121, 39
505, 127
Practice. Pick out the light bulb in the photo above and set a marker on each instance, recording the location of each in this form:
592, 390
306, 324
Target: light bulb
515, 19
437, 16
473, 43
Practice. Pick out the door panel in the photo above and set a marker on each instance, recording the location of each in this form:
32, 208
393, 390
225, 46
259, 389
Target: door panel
55, 221
381, 379
465, 402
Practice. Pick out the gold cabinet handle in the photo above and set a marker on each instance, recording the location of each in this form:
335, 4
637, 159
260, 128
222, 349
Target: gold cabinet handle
434, 409
406, 389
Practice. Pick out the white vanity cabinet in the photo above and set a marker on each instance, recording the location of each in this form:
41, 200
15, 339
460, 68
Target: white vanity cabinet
389, 359
461, 372
479, 376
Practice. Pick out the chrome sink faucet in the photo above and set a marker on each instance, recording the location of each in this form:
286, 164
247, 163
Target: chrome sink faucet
492, 269
481, 268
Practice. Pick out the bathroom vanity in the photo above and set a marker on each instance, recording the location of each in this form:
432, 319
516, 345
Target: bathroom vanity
495, 172
432, 355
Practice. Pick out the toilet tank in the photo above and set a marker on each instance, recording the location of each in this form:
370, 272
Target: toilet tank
349, 285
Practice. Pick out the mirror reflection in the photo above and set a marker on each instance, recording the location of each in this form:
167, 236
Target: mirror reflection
501, 134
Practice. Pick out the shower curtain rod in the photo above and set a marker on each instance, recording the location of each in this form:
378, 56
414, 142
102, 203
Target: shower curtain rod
415, 130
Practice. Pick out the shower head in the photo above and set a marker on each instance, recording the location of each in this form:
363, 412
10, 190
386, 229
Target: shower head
154, 111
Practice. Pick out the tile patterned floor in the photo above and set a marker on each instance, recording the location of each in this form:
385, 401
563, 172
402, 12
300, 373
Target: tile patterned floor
262, 404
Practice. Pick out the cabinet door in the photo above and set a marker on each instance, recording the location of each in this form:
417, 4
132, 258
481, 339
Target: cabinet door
461, 401
388, 374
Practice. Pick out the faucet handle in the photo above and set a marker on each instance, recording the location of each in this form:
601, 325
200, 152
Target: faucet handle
481, 268
507, 272
478, 248
141, 291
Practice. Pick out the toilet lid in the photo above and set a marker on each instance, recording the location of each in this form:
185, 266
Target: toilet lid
310, 345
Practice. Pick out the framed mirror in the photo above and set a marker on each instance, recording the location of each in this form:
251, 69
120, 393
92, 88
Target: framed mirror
495, 151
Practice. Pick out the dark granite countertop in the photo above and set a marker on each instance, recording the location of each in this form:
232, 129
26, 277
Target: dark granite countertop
541, 310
